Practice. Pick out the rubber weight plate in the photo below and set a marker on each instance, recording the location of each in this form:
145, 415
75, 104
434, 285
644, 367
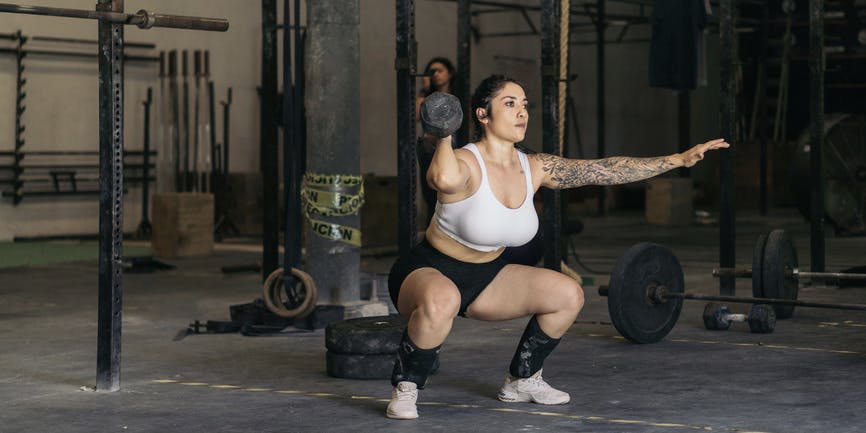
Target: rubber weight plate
365, 335
758, 266
634, 315
780, 259
353, 366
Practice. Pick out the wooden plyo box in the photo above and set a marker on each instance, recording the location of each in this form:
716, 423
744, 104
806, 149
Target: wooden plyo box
182, 224
669, 201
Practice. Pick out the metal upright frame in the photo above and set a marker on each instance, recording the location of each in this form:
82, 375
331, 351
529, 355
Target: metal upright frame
111, 19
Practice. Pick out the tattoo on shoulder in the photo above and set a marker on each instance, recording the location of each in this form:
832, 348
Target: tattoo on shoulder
570, 173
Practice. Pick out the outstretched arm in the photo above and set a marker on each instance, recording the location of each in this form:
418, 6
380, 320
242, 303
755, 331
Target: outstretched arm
561, 173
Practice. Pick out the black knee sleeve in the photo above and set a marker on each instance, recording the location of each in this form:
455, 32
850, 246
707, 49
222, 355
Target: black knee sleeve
413, 364
534, 347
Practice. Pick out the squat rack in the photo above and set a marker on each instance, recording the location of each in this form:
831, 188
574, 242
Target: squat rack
111, 67
405, 63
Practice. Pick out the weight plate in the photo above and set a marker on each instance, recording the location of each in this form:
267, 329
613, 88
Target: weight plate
346, 366
365, 335
780, 259
634, 315
758, 266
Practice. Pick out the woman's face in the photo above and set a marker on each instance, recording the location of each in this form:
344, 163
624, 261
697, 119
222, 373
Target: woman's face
440, 75
508, 118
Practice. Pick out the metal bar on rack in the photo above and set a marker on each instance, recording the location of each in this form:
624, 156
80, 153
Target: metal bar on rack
143, 19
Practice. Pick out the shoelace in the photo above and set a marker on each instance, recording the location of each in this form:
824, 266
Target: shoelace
537, 381
406, 395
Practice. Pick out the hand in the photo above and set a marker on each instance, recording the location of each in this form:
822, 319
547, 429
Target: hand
695, 154
425, 83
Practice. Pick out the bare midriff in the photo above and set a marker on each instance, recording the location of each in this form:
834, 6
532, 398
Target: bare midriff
450, 247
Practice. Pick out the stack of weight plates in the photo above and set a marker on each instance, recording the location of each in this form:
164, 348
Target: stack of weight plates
363, 348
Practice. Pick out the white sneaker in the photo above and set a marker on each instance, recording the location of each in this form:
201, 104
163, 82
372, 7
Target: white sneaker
403, 398
533, 388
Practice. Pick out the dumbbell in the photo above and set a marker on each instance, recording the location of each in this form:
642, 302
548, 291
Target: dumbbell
761, 318
441, 114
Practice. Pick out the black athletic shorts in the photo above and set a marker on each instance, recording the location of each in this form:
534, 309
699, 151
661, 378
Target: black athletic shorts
470, 278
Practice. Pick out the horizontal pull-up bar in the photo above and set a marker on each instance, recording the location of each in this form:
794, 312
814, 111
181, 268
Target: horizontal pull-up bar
143, 19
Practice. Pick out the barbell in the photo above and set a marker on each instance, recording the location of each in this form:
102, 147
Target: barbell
646, 292
775, 271
143, 19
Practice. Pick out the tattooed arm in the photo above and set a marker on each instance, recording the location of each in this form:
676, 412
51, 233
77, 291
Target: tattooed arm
561, 173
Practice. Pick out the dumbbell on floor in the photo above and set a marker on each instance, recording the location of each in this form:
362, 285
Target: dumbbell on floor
441, 114
761, 318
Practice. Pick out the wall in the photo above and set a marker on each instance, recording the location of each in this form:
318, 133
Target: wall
62, 93
62, 98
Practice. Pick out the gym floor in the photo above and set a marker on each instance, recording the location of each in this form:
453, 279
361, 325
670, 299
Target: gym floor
807, 376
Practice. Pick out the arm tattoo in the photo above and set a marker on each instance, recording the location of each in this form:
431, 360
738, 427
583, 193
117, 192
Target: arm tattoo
570, 173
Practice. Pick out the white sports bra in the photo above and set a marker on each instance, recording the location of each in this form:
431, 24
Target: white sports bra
482, 222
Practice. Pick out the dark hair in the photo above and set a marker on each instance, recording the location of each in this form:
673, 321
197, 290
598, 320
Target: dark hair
451, 71
484, 93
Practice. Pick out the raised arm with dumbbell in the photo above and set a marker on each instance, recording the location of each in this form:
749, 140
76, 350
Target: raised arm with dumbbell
484, 204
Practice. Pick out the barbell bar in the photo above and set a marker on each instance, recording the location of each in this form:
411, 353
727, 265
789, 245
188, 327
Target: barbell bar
775, 271
645, 294
792, 273
657, 294
143, 19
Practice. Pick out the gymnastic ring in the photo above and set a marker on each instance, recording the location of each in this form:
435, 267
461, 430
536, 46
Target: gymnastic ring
570, 272
271, 294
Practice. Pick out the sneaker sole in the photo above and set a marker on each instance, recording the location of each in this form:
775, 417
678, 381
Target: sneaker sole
527, 398
396, 416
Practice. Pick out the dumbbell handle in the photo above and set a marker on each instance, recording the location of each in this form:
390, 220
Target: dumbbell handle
736, 317
796, 273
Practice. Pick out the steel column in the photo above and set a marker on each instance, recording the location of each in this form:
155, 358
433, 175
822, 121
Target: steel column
406, 63
552, 215
110, 199
816, 142
464, 65
269, 152
684, 125
600, 95
291, 159
727, 116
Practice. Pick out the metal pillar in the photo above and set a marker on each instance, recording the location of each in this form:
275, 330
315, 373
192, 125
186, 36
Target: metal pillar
816, 149
110, 199
333, 98
269, 152
684, 125
464, 65
600, 108
291, 157
406, 63
550, 45
111, 20
762, 109
727, 116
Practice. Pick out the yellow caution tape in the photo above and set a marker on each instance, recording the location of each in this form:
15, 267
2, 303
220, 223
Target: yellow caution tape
336, 232
320, 195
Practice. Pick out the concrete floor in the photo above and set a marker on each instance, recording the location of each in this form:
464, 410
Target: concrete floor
808, 376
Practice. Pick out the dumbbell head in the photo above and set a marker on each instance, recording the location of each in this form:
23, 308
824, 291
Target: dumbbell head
441, 114
762, 319
716, 317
